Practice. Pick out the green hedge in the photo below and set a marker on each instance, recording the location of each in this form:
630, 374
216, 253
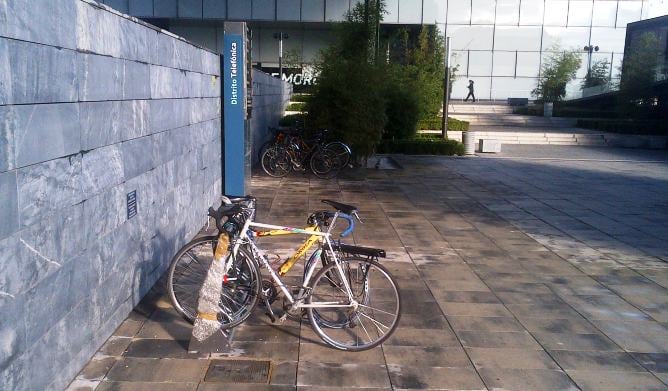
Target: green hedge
291, 119
300, 97
572, 112
435, 123
299, 106
626, 126
422, 146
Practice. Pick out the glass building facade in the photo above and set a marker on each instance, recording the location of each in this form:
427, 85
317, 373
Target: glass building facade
500, 44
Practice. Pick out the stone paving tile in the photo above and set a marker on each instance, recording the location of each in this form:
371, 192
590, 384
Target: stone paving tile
158, 370
571, 341
616, 381
426, 356
526, 379
342, 375
426, 378
510, 358
145, 386
596, 361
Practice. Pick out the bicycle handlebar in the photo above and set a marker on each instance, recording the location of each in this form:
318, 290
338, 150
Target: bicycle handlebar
351, 224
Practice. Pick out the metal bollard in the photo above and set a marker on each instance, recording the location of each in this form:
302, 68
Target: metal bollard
469, 142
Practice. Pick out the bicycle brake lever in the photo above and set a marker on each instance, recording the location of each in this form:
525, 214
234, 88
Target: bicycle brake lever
358, 217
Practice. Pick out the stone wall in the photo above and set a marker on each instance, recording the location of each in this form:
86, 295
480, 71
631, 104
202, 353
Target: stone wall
93, 105
270, 98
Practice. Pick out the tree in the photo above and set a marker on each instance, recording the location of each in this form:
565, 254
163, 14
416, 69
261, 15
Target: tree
599, 75
349, 98
639, 70
426, 66
557, 71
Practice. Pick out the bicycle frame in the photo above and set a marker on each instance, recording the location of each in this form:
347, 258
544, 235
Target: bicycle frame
315, 235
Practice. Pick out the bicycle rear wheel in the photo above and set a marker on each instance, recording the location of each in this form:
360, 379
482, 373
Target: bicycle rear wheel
276, 161
323, 164
360, 327
188, 270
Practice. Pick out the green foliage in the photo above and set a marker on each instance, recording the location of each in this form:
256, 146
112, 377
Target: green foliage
639, 70
292, 120
426, 70
300, 97
402, 111
349, 98
298, 106
422, 146
557, 71
627, 126
435, 124
599, 74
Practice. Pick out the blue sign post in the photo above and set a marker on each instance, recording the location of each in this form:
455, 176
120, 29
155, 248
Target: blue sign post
236, 130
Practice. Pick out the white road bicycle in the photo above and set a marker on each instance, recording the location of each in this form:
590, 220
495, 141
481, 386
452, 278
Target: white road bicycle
352, 302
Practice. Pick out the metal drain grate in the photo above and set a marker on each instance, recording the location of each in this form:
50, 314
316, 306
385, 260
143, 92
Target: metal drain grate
238, 371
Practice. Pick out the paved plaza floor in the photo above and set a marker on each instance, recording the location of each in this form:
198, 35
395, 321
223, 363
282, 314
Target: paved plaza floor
536, 269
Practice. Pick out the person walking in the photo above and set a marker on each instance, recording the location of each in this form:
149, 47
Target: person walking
471, 94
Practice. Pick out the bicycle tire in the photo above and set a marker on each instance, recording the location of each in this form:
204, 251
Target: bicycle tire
341, 152
188, 271
323, 165
276, 162
383, 300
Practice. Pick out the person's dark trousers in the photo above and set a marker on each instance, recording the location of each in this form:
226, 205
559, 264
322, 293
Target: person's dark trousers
470, 95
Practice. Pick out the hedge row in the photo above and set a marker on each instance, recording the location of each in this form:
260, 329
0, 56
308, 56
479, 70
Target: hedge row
422, 146
291, 119
300, 97
298, 106
435, 123
626, 126
572, 112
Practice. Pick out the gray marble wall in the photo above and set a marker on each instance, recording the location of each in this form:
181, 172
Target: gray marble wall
93, 105
271, 97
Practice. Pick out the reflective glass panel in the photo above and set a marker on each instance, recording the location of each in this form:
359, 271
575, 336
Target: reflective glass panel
480, 63
287, 10
460, 58
459, 11
483, 11
517, 38
608, 39
313, 11
481, 87
471, 37
410, 11
627, 12
605, 13
510, 87
507, 12
313, 43
531, 12
392, 11
264, 9
566, 38
654, 8
528, 64
504, 64
335, 10
434, 11
579, 13
238, 9
556, 12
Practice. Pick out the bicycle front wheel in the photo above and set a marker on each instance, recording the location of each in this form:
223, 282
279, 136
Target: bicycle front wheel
363, 322
240, 291
340, 152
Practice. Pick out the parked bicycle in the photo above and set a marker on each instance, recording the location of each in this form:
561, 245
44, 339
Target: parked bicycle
293, 152
350, 299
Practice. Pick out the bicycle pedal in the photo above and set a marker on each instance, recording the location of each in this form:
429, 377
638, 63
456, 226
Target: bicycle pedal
282, 319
